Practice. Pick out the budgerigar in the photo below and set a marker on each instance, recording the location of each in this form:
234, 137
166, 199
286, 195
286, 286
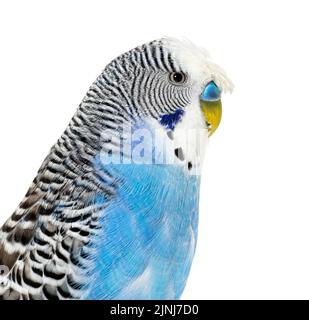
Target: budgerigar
113, 210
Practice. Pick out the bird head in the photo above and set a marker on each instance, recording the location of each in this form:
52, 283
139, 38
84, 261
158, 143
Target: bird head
204, 79
169, 83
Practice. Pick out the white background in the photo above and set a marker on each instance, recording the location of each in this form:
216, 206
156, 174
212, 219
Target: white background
254, 223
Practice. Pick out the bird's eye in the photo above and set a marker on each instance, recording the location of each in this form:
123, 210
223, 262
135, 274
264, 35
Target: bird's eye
177, 77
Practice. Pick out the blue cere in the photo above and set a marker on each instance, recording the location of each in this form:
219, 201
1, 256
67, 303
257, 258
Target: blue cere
211, 92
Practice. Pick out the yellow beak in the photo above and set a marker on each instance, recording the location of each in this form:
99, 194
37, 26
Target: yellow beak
212, 111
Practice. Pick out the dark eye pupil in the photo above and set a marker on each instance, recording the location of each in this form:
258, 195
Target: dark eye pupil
178, 77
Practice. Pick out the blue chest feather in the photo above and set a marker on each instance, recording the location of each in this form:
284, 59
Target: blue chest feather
148, 234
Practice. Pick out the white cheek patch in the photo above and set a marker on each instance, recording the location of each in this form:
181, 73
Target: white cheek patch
183, 146
190, 139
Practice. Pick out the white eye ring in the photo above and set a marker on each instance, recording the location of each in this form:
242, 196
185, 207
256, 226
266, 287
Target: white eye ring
178, 77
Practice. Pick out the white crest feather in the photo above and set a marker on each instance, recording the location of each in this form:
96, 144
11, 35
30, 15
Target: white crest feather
197, 62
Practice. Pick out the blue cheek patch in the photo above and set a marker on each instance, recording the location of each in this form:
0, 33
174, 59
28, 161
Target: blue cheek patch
211, 92
169, 121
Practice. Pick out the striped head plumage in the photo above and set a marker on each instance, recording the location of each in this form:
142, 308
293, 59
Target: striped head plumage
60, 242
